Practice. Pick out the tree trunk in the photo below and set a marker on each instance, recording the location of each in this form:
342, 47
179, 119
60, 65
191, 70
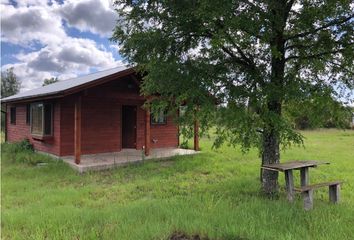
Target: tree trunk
270, 155
270, 148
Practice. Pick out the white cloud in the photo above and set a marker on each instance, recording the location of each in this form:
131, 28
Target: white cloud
69, 54
25, 25
96, 16
36, 21
69, 58
29, 77
115, 47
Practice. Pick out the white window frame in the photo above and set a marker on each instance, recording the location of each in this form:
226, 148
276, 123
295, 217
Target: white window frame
43, 119
159, 123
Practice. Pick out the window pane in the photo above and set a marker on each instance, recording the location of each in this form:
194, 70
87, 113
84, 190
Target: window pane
28, 113
160, 118
13, 115
37, 119
48, 119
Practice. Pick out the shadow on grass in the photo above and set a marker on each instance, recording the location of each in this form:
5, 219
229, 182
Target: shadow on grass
184, 236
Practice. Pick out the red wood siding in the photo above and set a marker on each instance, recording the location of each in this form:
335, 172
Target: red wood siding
101, 122
100, 126
165, 135
21, 130
101, 118
67, 126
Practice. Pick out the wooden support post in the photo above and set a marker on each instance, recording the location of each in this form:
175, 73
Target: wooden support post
178, 130
334, 193
77, 130
308, 199
289, 182
304, 176
147, 132
196, 135
6, 122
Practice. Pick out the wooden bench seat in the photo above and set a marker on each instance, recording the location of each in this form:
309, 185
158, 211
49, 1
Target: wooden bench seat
307, 192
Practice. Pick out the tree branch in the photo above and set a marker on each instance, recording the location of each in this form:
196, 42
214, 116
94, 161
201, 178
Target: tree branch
331, 23
287, 9
240, 51
233, 56
341, 67
233, 43
315, 55
254, 6
300, 46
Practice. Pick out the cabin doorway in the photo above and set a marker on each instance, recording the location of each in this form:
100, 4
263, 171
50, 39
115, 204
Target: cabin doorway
129, 126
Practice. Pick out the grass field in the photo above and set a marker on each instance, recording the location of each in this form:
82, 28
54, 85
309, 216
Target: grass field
214, 194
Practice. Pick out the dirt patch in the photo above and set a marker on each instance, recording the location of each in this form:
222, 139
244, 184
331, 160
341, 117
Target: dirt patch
183, 236
166, 163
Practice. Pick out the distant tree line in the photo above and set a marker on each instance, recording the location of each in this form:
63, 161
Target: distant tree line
322, 111
48, 81
11, 85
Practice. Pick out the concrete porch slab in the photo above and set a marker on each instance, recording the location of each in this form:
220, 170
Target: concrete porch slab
102, 161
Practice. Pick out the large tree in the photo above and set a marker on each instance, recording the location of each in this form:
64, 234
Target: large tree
251, 57
10, 84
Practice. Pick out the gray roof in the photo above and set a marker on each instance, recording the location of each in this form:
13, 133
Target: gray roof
61, 86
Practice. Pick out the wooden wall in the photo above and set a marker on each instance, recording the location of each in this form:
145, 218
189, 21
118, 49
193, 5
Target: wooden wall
164, 135
21, 130
101, 122
100, 126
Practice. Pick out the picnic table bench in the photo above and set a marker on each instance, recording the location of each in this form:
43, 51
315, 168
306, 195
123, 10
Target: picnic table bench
307, 192
305, 189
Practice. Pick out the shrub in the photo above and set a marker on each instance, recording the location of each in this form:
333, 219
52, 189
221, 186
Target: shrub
184, 144
25, 145
22, 152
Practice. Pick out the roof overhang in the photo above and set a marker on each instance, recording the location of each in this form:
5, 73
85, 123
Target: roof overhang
70, 90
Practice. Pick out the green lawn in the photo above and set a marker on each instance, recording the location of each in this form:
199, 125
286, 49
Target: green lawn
214, 194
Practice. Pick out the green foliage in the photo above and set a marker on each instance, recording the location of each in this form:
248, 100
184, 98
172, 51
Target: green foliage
25, 145
48, 81
22, 152
3, 122
250, 57
184, 144
318, 112
10, 85
213, 194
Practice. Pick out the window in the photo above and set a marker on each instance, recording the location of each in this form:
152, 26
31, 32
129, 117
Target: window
41, 119
13, 115
28, 114
160, 118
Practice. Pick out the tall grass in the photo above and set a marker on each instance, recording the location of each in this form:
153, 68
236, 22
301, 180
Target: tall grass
214, 194
23, 152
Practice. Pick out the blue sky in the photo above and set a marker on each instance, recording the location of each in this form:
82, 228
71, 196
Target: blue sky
42, 39
58, 38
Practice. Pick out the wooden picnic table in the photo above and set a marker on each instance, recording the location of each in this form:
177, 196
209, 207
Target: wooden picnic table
288, 168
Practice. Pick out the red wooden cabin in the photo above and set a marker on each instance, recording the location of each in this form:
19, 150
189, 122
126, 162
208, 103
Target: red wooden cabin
96, 113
